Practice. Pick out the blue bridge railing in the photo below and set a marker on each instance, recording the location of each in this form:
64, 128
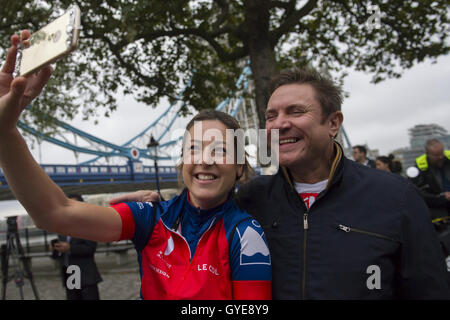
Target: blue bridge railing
64, 175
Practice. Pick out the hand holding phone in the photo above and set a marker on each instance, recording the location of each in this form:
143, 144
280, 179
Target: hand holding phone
55, 253
49, 44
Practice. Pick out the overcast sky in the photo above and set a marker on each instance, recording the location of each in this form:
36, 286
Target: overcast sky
381, 114
378, 115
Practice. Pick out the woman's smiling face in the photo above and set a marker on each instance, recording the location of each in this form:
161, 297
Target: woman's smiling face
206, 172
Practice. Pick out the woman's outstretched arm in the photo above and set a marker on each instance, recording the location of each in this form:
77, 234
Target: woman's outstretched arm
44, 201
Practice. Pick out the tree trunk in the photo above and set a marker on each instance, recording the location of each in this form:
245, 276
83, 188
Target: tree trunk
261, 51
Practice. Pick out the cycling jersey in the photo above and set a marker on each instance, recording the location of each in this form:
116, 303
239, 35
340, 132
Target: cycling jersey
188, 253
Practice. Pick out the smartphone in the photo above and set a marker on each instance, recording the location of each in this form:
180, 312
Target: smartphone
55, 252
51, 43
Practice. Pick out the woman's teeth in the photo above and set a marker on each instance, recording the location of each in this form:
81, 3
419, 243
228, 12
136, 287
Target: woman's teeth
205, 177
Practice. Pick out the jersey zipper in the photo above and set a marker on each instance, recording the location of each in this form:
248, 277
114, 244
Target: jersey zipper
351, 229
189, 268
201, 237
305, 236
305, 240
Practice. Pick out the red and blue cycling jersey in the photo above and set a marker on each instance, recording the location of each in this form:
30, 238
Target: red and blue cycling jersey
188, 253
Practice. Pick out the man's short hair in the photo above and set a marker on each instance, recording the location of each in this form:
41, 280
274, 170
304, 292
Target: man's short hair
431, 143
361, 149
328, 94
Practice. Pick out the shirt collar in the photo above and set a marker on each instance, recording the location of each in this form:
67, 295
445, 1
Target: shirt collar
335, 171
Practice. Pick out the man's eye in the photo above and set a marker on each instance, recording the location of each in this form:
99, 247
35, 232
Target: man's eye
298, 111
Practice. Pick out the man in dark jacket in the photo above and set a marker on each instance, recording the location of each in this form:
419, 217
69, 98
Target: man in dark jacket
81, 253
337, 229
433, 180
360, 156
366, 236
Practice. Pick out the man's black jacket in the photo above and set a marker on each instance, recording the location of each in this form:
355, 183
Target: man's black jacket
431, 188
368, 225
82, 254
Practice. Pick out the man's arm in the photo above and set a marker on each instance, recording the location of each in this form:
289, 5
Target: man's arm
433, 200
137, 196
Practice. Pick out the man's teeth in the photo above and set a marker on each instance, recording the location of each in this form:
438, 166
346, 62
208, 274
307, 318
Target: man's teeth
290, 140
205, 177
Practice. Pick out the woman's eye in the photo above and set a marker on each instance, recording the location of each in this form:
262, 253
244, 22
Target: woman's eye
194, 148
220, 150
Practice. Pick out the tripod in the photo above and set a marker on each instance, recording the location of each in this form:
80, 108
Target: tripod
13, 248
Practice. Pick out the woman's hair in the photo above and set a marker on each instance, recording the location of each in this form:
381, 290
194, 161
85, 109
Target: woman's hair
394, 165
230, 123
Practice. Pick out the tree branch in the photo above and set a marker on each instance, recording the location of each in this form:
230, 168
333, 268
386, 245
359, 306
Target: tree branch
358, 18
292, 20
209, 38
115, 50
224, 11
281, 4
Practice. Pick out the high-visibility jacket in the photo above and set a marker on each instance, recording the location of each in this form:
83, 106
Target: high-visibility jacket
422, 162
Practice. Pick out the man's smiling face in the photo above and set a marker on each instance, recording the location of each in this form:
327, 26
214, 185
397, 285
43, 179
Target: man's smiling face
294, 110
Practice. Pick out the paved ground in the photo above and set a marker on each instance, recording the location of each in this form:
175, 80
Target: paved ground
120, 282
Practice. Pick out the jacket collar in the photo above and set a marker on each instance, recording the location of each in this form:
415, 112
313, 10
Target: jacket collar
335, 172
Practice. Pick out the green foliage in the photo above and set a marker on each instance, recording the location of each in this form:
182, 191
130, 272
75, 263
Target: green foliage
150, 49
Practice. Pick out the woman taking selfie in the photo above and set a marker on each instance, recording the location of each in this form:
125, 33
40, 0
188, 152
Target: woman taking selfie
198, 245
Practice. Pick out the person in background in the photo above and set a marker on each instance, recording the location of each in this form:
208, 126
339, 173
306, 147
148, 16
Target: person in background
79, 252
433, 180
389, 164
360, 156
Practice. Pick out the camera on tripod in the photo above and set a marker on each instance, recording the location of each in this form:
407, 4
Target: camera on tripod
11, 222
20, 266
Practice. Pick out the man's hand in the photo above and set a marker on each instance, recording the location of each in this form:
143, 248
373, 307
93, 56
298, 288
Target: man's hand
16, 94
447, 195
62, 246
137, 196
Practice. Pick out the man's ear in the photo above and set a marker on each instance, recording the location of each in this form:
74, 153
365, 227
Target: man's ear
335, 122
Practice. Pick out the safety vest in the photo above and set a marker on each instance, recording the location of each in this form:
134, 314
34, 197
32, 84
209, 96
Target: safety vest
422, 162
